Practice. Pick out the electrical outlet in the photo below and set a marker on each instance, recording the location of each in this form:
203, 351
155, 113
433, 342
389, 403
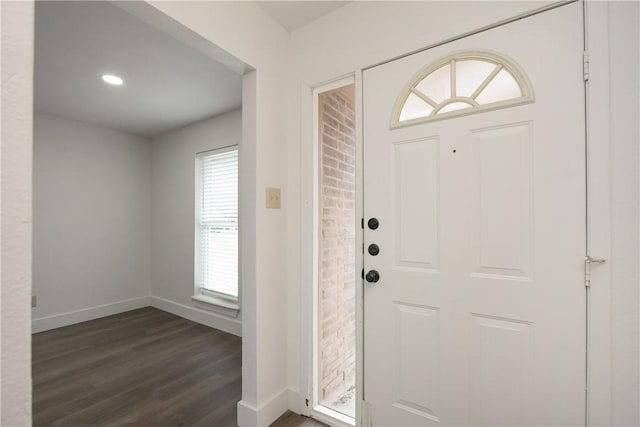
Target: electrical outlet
273, 198
34, 301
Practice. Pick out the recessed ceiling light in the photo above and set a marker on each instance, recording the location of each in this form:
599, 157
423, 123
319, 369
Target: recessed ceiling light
112, 80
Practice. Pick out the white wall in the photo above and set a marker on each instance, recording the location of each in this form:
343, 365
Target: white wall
15, 199
91, 213
624, 69
173, 211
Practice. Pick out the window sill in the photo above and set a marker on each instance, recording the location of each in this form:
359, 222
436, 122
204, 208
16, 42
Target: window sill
219, 305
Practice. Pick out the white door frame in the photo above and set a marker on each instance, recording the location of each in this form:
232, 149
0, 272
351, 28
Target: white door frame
309, 220
598, 227
327, 416
599, 213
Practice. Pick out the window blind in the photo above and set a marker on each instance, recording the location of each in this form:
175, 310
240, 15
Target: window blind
218, 222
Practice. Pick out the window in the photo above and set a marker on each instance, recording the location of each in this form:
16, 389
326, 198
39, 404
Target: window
217, 226
462, 84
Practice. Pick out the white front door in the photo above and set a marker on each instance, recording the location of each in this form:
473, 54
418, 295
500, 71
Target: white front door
478, 316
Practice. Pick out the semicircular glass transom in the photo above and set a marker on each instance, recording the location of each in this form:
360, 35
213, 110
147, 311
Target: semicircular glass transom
462, 84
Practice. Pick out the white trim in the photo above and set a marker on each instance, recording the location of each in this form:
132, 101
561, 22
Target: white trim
365, 418
313, 375
599, 214
199, 315
265, 414
78, 316
307, 238
331, 417
501, 61
333, 84
195, 314
217, 304
360, 416
206, 153
296, 402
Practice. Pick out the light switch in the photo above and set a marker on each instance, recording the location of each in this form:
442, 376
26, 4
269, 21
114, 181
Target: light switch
273, 198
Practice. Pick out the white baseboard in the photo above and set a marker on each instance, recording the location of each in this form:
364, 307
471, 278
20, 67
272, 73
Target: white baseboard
204, 317
213, 320
65, 319
265, 414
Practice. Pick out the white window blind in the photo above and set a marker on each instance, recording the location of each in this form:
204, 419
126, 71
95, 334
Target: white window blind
217, 228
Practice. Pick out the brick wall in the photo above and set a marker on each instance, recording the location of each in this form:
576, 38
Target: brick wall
337, 242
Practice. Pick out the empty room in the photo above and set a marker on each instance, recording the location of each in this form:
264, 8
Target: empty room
136, 140
309, 213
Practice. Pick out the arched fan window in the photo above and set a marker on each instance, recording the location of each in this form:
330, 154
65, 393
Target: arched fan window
462, 84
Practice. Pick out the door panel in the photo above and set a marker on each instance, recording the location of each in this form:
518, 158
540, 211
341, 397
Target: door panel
416, 198
502, 200
502, 371
479, 314
416, 390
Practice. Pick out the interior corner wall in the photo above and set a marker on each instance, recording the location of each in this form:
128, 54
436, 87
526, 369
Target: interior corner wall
173, 195
245, 31
16, 23
91, 231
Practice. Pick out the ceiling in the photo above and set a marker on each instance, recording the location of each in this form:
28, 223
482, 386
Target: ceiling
295, 14
167, 84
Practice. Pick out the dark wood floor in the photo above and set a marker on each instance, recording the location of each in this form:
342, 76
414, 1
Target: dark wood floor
289, 419
140, 368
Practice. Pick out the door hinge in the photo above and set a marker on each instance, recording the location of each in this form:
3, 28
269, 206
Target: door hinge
585, 66
588, 261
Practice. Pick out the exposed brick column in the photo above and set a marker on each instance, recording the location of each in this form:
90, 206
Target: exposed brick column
337, 242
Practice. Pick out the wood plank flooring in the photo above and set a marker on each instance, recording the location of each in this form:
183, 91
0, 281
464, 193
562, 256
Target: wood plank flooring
289, 419
140, 368
144, 367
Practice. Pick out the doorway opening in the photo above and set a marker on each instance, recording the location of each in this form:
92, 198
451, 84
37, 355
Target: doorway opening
335, 319
128, 171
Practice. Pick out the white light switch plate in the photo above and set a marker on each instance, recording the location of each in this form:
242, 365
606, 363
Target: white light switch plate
273, 198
